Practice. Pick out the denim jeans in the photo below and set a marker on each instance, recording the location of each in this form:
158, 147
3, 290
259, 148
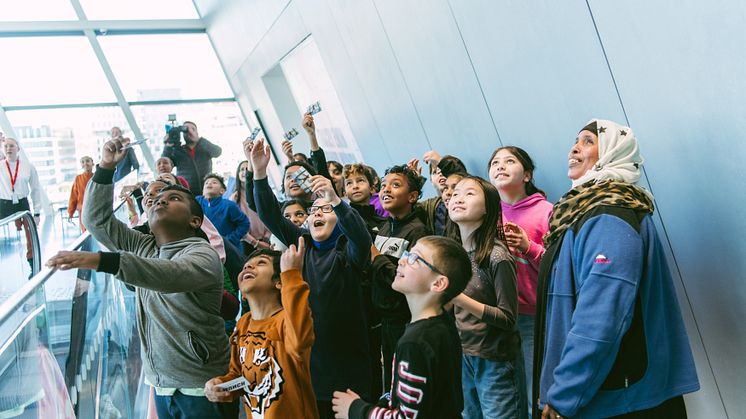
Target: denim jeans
525, 326
491, 389
180, 406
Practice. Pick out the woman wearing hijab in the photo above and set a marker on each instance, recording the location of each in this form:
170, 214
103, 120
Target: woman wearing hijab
610, 341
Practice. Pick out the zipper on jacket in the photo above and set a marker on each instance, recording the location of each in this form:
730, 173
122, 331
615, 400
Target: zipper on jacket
150, 352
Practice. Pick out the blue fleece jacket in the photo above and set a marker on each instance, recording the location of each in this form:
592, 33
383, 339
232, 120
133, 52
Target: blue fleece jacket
227, 217
592, 366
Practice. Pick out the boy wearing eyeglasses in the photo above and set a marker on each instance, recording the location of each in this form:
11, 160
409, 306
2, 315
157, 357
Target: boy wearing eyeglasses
338, 250
427, 373
400, 189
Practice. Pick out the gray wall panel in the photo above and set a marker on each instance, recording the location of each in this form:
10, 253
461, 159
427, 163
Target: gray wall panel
680, 69
439, 76
318, 16
543, 81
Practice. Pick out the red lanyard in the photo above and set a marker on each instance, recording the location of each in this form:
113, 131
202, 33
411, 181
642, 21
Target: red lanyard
13, 177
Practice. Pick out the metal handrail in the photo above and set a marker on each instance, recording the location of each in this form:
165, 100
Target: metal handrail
13, 217
36, 254
29, 288
22, 295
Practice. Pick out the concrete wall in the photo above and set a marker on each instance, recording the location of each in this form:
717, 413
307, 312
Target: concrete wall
465, 76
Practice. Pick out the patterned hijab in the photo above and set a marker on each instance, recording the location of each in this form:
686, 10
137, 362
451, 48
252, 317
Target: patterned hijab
618, 154
610, 182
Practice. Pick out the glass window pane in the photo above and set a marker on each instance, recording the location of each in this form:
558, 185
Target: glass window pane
55, 140
162, 67
309, 82
138, 9
221, 123
30, 10
51, 70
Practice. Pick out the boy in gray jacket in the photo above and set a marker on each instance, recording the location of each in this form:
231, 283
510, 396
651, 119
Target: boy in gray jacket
179, 284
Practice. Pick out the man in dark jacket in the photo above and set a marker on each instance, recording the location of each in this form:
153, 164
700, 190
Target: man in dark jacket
193, 160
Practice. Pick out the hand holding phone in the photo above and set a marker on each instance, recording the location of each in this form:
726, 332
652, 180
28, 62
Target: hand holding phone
314, 108
255, 133
130, 145
290, 134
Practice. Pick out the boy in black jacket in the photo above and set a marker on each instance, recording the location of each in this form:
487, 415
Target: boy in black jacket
338, 248
400, 189
427, 381
358, 187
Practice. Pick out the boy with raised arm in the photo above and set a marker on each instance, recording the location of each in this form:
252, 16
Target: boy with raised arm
179, 285
338, 249
271, 347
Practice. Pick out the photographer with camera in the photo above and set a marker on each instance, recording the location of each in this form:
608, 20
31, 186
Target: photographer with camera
193, 158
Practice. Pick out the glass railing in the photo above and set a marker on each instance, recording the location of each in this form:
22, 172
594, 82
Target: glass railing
75, 356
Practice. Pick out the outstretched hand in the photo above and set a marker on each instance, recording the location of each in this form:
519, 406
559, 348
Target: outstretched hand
432, 158
259, 157
287, 149
113, 152
292, 258
65, 260
308, 124
323, 188
414, 164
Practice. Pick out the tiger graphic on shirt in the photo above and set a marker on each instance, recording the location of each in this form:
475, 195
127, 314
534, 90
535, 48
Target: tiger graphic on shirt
263, 373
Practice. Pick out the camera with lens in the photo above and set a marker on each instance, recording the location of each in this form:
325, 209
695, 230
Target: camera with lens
174, 132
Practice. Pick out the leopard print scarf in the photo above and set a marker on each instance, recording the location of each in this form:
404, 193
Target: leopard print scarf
589, 195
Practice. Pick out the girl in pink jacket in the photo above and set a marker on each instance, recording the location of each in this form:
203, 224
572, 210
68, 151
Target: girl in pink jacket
526, 212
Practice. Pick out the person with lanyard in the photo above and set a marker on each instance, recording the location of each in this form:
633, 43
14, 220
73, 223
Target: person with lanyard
18, 180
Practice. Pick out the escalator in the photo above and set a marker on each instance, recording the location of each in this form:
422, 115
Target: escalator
76, 356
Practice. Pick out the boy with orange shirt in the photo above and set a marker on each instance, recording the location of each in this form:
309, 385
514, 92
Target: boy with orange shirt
75, 203
271, 347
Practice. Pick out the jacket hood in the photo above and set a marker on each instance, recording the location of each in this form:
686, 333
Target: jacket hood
526, 202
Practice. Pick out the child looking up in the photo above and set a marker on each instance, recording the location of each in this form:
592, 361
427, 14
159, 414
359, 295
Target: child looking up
358, 188
400, 190
338, 249
526, 213
224, 213
486, 310
271, 347
427, 377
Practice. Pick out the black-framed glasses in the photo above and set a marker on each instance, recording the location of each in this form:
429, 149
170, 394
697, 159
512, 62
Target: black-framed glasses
411, 258
326, 208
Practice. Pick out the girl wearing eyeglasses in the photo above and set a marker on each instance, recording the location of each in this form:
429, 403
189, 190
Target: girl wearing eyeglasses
487, 309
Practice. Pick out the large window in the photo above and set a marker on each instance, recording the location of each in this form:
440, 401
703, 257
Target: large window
60, 97
55, 139
50, 71
39, 10
138, 9
165, 67
309, 82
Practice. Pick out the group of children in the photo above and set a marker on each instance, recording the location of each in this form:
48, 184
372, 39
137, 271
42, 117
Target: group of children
387, 306
383, 305
418, 307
